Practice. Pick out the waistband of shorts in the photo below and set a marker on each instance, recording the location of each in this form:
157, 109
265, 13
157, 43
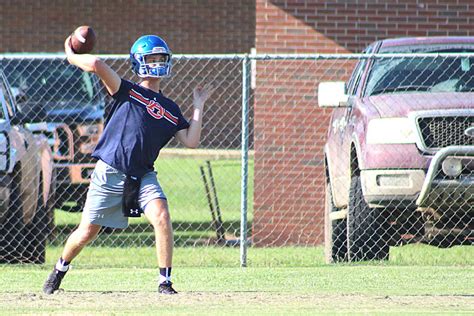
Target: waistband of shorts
102, 165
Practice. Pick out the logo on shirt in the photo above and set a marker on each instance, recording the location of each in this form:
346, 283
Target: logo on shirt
154, 108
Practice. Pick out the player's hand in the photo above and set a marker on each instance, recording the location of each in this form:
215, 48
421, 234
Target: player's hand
201, 94
67, 46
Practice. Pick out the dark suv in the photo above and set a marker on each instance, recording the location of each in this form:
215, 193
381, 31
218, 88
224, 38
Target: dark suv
67, 105
400, 150
26, 186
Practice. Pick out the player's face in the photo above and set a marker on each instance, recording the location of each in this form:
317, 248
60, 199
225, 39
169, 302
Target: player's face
156, 58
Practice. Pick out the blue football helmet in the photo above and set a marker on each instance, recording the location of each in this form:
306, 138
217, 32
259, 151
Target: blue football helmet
149, 45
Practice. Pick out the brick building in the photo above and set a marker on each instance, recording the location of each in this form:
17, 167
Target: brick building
235, 26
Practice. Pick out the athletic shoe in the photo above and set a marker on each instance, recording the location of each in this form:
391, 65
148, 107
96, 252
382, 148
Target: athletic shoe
166, 288
53, 281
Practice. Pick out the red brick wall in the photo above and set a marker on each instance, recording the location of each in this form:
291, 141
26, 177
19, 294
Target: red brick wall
289, 173
189, 26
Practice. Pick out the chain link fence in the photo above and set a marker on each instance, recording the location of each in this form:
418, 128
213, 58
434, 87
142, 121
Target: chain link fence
385, 160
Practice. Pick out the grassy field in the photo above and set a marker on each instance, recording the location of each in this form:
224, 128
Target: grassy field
290, 281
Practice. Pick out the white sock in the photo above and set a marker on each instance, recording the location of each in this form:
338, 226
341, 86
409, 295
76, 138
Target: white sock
165, 275
62, 265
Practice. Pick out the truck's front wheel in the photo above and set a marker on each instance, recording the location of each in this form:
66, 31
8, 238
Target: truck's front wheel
12, 230
335, 232
365, 227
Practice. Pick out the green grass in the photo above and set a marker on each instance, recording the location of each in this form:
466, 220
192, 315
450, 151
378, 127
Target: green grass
144, 257
290, 281
376, 280
182, 182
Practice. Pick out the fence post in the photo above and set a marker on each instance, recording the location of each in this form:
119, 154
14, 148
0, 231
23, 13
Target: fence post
244, 161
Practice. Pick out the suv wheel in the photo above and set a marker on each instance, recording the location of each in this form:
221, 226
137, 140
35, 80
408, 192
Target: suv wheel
365, 227
12, 229
335, 232
38, 231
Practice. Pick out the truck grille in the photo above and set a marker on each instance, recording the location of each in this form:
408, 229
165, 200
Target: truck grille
440, 132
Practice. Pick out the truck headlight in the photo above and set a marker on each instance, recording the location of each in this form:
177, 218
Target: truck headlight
398, 130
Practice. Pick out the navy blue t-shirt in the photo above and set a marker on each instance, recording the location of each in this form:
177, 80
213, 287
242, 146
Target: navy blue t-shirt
140, 123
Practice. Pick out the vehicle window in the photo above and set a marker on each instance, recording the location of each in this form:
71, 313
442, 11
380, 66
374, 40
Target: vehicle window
440, 74
5, 99
357, 74
355, 78
53, 83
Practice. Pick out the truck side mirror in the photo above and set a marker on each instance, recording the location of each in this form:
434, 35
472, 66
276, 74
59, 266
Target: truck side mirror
332, 94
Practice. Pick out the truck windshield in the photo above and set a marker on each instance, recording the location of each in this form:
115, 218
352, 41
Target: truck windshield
429, 74
53, 83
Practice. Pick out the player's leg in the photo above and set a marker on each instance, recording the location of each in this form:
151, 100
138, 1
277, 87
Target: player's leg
84, 234
157, 213
102, 208
153, 201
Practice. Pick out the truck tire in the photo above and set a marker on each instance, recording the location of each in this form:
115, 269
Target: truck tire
335, 232
365, 227
38, 231
12, 229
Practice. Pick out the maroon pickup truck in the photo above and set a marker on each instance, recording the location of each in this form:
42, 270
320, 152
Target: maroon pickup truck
400, 150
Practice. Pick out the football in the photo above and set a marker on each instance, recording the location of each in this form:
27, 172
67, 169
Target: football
83, 40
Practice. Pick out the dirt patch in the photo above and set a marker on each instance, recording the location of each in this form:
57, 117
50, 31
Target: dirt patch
71, 302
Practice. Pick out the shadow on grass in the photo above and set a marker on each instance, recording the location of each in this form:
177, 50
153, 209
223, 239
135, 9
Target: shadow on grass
141, 234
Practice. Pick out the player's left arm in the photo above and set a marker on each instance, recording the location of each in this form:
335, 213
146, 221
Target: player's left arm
191, 136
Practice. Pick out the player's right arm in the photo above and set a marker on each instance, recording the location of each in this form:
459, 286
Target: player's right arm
92, 63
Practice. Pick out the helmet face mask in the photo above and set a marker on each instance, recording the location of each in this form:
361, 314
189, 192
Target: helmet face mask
143, 49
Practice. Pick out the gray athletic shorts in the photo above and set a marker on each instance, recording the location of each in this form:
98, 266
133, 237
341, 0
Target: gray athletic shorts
104, 199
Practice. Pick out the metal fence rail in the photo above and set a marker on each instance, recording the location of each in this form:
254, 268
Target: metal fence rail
273, 168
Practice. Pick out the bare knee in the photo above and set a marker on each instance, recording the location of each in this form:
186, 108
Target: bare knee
157, 213
161, 218
85, 233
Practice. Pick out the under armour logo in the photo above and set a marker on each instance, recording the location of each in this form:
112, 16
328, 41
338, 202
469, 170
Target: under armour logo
134, 211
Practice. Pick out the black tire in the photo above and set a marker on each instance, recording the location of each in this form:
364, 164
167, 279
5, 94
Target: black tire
365, 227
38, 231
335, 232
12, 229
